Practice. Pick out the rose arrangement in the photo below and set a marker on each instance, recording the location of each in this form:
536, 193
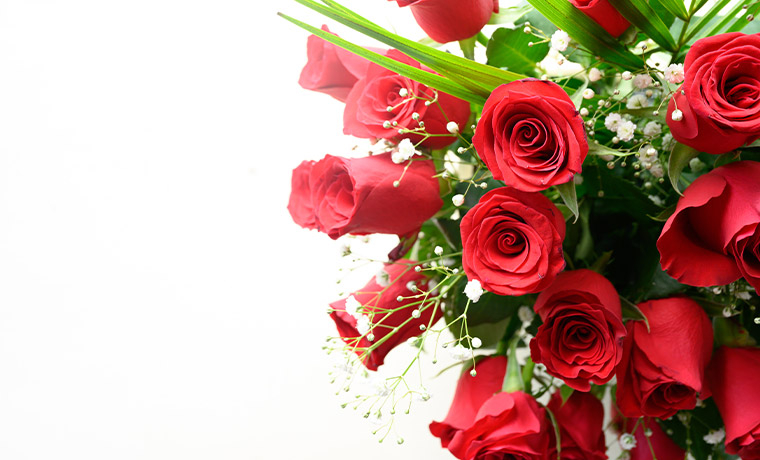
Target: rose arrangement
578, 221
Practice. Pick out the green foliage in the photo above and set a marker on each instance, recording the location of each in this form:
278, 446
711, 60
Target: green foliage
509, 49
679, 158
640, 14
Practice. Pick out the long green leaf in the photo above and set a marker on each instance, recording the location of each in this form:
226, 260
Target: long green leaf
640, 14
430, 79
729, 18
742, 22
679, 158
587, 32
437, 60
704, 20
676, 7
512, 48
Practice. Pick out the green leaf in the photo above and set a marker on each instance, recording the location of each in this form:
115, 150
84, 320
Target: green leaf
510, 14
565, 392
742, 22
601, 150
587, 32
667, 17
640, 14
730, 20
567, 192
513, 377
491, 308
631, 311
432, 80
727, 158
704, 20
679, 158
664, 214
646, 112
577, 96
508, 48
676, 8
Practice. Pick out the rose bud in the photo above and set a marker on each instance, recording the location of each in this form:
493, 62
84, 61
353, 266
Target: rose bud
581, 338
470, 394
734, 374
603, 14
662, 370
720, 96
507, 425
330, 69
580, 420
530, 135
512, 241
383, 102
451, 20
358, 195
664, 448
366, 320
713, 237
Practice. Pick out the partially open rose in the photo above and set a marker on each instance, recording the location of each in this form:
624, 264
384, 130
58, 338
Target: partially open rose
603, 14
450, 20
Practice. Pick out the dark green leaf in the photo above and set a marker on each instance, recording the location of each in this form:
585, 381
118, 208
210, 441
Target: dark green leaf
632, 312
565, 392
640, 14
491, 308
567, 192
663, 215
679, 158
508, 48
674, 7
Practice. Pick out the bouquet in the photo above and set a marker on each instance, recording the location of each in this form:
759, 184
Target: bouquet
575, 189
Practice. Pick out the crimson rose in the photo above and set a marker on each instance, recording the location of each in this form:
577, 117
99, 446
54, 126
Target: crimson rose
358, 196
603, 14
366, 320
663, 370
512, 241
470, 394
581, 338
530, 135
580, 420
330, 69
367, 115
713, 238
734, 376
507, 425
451, 20
720, 95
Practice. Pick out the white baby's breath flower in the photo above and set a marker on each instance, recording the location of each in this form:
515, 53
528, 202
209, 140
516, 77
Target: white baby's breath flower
383, 278
588, 93
715, 436
362, 324
452, 127
647, 153
438, 250
667, 141
473, 290
638, 101
743, 295
656, 200
612, 121
642, 81
459, 353
525, 313
627, 441
626, 75
676, 115
652, 129
696, 165
626, 130
406, 150
458, 199
476, 342
674, 73
454, 166
656, 170
560, 40
594, 74
353, 306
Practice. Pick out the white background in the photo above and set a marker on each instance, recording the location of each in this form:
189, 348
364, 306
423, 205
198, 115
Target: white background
156, 301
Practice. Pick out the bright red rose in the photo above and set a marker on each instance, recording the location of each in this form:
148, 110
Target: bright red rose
713, 237
512, 241
734, 376
720, 95
357, 196
507, 425
530, 135
580, 420
381, 312
662, 371
330, 69
603, 14
470, 394
581, 338
451, 20
367, 116
664, 448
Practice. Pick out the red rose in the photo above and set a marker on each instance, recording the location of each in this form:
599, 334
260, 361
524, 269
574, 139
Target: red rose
734, 376
367, 115
664, 448
507, 425
357, 195
330, 69
470, 394
713, 238
381, 312
603, 14
663, 370
512, 241
581, 338
451, 20
580, 420
530, 135
720, 95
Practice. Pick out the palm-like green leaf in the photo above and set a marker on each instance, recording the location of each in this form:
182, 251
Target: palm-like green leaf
640, 14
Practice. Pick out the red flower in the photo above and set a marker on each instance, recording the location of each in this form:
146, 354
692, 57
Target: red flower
603, 14
357, 195
580, 420
512, 241
530, 135
330, 69
383, 314
734, 376
582, 333
451, 20
720, 96
367, 115
662, 371
664, 448
507, 425
713, 238
470, 394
